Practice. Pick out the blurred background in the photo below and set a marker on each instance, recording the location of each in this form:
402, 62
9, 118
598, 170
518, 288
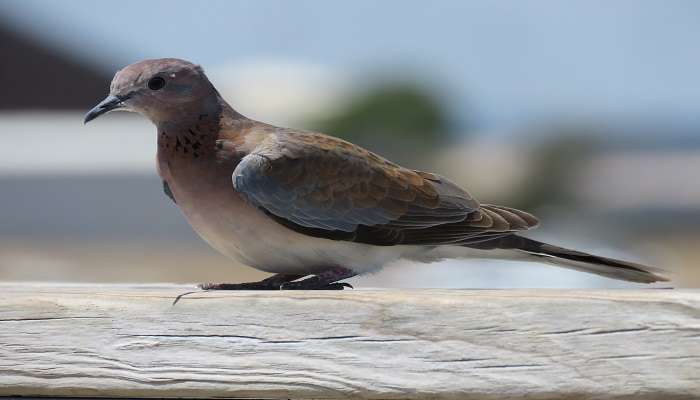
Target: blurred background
586, 113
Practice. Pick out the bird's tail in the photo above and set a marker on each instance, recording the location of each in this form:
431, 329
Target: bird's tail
578, 260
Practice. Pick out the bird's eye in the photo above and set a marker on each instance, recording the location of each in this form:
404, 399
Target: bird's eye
156, 83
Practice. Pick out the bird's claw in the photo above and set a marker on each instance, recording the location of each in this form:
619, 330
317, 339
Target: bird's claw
208, 286
315, 286
288, 282
262, 285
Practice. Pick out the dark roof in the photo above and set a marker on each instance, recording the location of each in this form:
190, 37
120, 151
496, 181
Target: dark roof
35, 76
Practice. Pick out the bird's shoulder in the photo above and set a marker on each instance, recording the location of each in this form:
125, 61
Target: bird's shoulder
329, 160
300, 174
324, 186
282, 147
284, 144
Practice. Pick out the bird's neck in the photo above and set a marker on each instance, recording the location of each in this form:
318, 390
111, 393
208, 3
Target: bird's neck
192, 133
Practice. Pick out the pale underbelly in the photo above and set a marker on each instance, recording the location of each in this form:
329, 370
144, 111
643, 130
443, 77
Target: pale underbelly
247, 235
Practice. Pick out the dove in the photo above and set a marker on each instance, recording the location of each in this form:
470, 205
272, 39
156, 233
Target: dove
310, 208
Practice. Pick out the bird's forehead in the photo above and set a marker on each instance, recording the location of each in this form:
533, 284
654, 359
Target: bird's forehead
135, 74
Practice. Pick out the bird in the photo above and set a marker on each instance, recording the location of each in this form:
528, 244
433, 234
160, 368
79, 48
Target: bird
310, 208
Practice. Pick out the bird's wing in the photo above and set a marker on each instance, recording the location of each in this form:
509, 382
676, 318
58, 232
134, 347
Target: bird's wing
323, 186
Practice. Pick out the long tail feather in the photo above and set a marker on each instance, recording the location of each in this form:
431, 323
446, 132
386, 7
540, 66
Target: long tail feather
578, 260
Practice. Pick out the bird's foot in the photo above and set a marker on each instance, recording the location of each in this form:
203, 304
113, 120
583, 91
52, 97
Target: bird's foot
326, 280
303, 285
272, 283
238, 286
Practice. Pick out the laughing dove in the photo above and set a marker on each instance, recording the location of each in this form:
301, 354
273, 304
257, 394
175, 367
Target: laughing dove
305, 205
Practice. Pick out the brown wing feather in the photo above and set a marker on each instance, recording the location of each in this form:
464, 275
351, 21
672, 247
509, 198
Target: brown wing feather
324, 186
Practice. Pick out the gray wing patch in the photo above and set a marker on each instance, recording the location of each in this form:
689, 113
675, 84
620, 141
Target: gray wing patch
321, 186
259, 182
291, 189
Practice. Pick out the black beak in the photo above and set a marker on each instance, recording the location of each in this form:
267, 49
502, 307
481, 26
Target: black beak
108, 104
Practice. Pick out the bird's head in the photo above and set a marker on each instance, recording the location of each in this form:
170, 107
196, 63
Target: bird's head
159, 89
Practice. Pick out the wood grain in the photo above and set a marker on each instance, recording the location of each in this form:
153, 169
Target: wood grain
91, 340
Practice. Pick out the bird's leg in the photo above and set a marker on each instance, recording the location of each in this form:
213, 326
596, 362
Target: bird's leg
326, 280
272, 283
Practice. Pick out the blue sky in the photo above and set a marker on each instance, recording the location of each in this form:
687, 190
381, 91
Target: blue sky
508, 61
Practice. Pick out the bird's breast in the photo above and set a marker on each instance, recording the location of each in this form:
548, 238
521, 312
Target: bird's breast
206, 197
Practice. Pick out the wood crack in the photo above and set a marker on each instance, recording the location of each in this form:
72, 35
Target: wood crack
128, 342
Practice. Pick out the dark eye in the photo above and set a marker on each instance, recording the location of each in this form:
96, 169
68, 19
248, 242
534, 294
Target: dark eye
156, 83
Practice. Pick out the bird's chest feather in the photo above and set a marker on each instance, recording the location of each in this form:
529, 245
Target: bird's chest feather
203, 191
196, 172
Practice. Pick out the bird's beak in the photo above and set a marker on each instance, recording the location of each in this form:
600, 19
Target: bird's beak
110, 103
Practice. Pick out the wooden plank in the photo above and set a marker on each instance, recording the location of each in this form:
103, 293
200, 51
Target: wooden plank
370, 344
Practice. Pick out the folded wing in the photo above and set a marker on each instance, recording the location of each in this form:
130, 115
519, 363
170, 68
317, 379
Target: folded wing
325, 187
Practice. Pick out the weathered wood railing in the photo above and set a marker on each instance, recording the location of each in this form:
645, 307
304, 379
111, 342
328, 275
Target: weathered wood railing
129, 341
